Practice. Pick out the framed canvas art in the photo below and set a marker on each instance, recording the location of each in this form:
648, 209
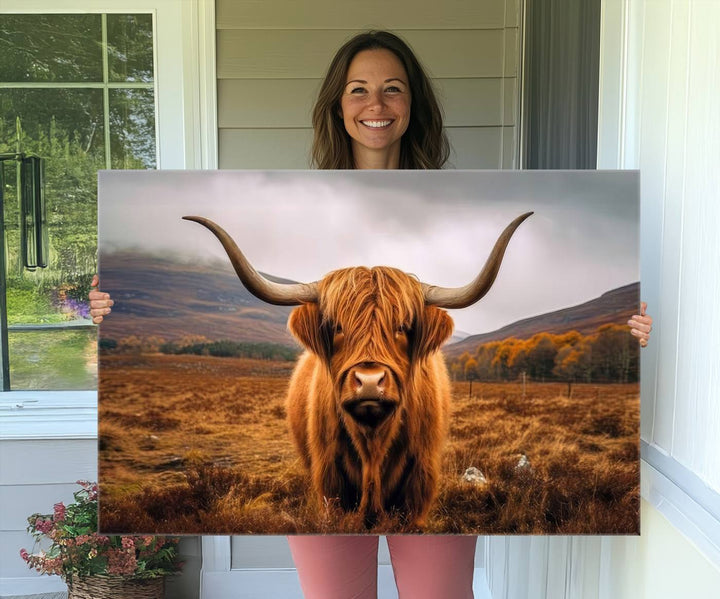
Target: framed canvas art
440, 352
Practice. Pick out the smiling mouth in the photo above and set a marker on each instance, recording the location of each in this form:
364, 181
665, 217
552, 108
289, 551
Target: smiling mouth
377, 124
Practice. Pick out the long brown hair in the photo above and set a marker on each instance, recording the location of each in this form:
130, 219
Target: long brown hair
424, 144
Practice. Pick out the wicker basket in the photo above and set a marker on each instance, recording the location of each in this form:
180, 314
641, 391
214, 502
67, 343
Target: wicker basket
116, 587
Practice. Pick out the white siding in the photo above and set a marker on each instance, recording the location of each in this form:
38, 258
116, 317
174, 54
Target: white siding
660, 84
35, 475
271, 59
672, 134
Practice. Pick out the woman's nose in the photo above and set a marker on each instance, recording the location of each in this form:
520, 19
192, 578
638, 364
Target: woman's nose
376, 99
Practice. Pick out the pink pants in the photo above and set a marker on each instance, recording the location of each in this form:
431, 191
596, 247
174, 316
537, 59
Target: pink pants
345, 567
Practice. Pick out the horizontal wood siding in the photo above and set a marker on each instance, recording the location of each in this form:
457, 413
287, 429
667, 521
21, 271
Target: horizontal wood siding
471, 147
287, 103
34, 476
331, 14
47, 462
307, 53
271, 59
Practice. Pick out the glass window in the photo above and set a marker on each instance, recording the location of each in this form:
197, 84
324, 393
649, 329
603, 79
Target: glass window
37, 48
130, 47
78, 91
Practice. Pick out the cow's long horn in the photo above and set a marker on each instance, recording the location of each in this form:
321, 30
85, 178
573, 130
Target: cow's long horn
461, 297
280, 294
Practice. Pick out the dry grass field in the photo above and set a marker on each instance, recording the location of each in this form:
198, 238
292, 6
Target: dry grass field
193, 444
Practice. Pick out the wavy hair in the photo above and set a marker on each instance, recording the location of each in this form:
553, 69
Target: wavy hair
423, 146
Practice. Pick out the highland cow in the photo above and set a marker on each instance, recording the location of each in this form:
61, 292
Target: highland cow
369, 400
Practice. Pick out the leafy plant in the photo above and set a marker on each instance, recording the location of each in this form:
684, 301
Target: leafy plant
78, 550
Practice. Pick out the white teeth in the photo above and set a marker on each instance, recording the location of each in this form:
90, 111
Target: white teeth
376, 123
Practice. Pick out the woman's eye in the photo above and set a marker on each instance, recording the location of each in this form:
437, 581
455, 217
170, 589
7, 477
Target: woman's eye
357, 90
393, 89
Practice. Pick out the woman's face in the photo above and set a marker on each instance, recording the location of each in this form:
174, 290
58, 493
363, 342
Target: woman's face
375, 103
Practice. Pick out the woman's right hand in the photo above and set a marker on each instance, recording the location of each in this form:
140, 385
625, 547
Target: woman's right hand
100, 302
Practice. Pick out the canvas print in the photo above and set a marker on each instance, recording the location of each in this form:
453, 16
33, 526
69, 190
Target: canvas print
328, 352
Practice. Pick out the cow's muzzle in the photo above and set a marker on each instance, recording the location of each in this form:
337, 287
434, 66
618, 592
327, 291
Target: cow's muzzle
370, 394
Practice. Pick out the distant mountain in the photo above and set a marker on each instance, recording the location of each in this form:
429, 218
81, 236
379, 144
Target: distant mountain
457, 336
616, 307
172, 299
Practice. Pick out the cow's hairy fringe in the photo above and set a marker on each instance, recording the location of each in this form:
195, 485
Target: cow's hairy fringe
352, 296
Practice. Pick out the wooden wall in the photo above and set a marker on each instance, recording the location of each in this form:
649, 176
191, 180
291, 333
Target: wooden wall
271, 58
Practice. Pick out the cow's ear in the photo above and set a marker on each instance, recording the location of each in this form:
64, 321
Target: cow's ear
306, 325
434, 329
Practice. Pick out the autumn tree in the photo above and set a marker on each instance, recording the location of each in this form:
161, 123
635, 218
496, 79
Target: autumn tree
615, 354
541, 357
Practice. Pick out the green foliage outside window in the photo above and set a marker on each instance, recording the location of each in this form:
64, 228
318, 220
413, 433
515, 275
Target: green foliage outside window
76, 90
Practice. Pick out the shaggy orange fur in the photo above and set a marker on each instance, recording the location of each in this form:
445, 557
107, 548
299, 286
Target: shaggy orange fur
371, 316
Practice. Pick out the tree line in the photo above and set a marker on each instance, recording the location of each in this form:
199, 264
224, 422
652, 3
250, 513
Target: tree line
610, 355
199, 346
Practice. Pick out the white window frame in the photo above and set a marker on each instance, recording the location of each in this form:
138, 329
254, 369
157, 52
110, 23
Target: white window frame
186, 130
671, 487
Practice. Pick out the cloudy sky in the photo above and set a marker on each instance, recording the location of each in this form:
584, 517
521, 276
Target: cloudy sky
439, 225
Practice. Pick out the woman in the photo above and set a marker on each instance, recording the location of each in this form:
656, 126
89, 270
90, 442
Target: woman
377, 110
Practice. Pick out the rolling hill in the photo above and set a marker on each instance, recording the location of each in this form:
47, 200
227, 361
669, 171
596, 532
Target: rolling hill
615, 306
172, 299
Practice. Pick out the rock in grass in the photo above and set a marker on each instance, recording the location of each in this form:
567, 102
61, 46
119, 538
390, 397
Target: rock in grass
474, 476
523, 464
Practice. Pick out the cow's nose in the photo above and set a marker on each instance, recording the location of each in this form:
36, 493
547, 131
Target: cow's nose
369, 383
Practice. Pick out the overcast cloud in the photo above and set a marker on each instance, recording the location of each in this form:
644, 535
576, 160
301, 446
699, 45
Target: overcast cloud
439, 225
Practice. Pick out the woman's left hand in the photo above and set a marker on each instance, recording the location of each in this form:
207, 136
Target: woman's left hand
641, 325
100, 303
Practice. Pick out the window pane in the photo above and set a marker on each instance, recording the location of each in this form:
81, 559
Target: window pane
53, 360
50, 48
65, 127
130, 47
132, 128
52, 119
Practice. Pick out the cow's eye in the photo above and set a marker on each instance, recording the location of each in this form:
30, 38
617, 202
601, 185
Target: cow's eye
338, 329
401, 330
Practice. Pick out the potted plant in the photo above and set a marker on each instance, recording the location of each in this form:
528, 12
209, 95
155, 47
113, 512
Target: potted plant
93, 565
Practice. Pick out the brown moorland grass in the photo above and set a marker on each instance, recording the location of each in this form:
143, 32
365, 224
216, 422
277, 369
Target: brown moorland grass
194, 444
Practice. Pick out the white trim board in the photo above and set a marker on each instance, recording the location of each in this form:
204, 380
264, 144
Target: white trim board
692, 516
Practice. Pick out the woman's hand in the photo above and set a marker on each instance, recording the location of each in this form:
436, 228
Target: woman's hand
641, 325
99, 302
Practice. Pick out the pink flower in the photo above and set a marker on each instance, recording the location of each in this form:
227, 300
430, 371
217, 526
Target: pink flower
53, 565
25, 555
121, 562
128, 543
43, 526
59, 509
